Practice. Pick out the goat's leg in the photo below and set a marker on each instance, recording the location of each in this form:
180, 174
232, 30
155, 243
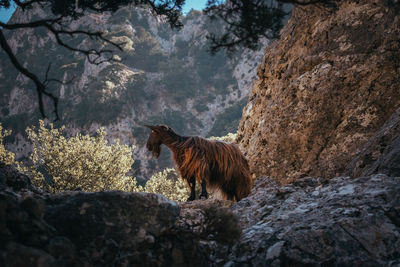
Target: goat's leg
204, 193
192, 184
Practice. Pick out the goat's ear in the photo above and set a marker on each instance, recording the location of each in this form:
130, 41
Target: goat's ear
165, 127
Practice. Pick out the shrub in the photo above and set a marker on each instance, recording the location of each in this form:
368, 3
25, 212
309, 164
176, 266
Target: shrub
6, 156
228, 120
80, 162
169, 184
229, 138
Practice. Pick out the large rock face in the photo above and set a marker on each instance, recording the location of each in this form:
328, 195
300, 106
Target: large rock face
312, 222
323, 89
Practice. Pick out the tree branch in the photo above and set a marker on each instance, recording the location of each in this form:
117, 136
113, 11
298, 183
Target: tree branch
50, 25
40, 87
305, 2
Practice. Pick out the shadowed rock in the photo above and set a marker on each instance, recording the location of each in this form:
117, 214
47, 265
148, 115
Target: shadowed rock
337, 222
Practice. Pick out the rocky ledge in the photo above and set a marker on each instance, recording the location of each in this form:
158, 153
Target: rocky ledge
319, 222
313, 222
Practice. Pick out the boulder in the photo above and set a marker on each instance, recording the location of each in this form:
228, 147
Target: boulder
313, 222
320, 222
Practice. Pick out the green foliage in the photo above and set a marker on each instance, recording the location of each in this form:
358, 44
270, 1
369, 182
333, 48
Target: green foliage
228, 120
201, 107
148, 53
170, 117
179, 83
120, 16
136, 91
137, 19
169, 184
229, 138
18, 123
182, 48
193, 14
208, 66
90, 110
84, 162
6, 156
181, 122
126, 43
103, 99
140, 134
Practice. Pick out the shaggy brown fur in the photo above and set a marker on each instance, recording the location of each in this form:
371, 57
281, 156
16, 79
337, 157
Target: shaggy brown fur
214, 164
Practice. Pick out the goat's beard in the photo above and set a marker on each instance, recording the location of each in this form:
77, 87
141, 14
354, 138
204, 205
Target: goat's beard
156, 150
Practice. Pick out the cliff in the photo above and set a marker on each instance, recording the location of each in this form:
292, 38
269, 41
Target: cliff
324, 90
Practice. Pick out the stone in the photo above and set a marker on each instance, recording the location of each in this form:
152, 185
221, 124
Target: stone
324, 89
347, 222
350, 222
381, 154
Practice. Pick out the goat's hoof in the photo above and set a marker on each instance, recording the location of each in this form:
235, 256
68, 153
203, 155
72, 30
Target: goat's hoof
190, 199
203, 197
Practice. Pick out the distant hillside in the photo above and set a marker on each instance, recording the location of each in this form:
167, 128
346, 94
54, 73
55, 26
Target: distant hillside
166, 76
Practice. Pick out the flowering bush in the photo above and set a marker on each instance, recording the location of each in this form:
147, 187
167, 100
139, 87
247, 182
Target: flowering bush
6, 156
169, 184
229, 138
80, 162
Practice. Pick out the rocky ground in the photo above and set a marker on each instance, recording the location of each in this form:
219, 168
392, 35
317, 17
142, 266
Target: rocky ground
313, 222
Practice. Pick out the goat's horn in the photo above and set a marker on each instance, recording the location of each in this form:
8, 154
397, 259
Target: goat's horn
148, 126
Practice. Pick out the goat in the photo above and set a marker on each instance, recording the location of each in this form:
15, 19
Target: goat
214, 164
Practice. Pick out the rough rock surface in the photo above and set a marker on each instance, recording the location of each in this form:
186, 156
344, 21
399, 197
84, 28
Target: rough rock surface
105, 228
75, 228
320, 222
381, 153
323, 89
313, 222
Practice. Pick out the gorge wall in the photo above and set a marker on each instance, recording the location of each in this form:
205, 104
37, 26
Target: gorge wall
323, 90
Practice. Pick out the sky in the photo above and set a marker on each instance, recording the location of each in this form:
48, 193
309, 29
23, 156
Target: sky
5, 14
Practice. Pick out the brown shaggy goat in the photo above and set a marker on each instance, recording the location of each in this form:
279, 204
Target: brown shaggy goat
214, 164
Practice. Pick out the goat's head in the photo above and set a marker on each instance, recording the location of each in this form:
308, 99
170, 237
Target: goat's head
155, 139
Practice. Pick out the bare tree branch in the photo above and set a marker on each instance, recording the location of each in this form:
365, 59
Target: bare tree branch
306, 2
246, 21
40, 87
47, 80
26, 4
92, 55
